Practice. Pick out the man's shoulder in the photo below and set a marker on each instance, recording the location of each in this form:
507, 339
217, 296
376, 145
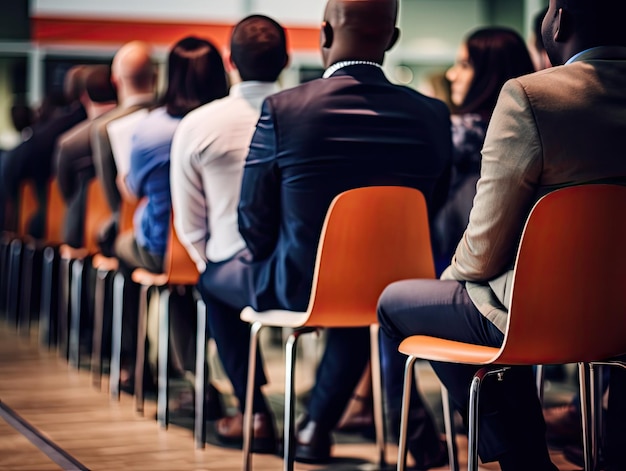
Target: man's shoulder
75, 134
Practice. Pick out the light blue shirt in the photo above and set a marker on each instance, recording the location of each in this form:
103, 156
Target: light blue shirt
149, 178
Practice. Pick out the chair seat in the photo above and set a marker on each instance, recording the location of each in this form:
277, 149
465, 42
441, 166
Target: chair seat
275, 317
436, 349
100, 262
148, 278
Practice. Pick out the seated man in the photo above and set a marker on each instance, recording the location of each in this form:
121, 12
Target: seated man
553, 128
74, 164
208, 154
349, 129
133, 75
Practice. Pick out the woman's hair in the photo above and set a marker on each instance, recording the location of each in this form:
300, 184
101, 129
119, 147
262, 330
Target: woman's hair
497, 54
195, 76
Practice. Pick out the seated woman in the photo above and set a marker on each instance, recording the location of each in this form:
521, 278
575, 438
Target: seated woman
196, 76
486, 59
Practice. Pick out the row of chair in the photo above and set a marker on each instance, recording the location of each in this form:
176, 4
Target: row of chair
565, 306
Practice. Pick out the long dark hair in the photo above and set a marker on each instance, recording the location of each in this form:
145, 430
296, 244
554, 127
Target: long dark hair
195, 76
497, 54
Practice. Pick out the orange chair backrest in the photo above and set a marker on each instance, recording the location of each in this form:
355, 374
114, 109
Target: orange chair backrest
371, 237
180, 269
568, 291
55, 213
27, 206
96, 214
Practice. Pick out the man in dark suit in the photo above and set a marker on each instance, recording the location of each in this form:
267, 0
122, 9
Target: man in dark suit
349, 129
73, 159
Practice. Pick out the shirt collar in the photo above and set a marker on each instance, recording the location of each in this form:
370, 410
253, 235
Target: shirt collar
253, 87
139, 99
340, 65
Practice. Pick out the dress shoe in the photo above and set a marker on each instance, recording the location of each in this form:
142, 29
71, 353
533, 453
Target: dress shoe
563, 425
229, 430
312, 442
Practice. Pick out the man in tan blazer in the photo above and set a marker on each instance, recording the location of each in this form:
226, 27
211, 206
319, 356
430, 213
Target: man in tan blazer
554, 128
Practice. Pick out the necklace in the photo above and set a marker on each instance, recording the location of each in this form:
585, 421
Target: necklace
340, 65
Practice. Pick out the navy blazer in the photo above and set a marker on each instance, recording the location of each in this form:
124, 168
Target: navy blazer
317, 140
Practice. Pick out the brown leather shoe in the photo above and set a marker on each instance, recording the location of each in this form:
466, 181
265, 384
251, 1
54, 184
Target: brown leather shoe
229, 430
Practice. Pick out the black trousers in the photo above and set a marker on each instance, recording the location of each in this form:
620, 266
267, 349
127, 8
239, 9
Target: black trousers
512, 429
227, 288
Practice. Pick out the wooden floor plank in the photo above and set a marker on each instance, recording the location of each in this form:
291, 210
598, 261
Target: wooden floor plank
106, 435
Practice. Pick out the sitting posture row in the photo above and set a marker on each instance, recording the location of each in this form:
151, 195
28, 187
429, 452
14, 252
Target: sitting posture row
247, 173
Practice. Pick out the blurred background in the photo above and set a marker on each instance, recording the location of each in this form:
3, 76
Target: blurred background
41, 39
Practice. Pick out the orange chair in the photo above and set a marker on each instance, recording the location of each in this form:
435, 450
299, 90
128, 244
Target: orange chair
358, 256
180, 270
72, 272
567, 303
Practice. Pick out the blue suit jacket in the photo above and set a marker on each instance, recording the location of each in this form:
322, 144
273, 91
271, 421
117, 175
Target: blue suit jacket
317, 140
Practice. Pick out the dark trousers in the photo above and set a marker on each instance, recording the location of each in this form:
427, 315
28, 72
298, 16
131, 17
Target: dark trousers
227, 288
511, 425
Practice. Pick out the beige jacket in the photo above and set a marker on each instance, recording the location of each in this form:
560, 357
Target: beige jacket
557, 127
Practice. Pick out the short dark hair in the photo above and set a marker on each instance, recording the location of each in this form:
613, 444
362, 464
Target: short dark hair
497, 54
258, 48
98, 84
196, 76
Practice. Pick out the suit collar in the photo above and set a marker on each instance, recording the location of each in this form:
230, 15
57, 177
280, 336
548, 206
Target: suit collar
600, 52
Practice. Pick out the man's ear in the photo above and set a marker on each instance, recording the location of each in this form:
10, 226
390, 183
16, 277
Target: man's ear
394, 39
562, 30
327, 34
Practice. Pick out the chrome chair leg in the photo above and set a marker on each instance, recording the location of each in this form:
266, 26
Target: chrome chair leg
98, 327
46, 320
248, 431
116, 336
163, 358
201, 379
404, 414
290, 397
140, 357
586, 412
448, 420
75, 312
377, 395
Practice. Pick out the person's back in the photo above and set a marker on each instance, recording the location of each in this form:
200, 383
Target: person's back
554, 128
350, 130
211, 144
133, 75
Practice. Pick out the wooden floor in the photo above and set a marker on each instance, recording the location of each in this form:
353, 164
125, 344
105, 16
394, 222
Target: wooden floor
73, 421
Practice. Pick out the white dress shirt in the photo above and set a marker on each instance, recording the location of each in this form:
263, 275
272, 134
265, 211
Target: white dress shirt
209, 150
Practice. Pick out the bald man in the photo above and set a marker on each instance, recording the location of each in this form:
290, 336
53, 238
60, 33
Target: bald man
133, 75
349, 129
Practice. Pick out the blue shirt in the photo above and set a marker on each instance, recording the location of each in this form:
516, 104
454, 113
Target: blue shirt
149, 178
